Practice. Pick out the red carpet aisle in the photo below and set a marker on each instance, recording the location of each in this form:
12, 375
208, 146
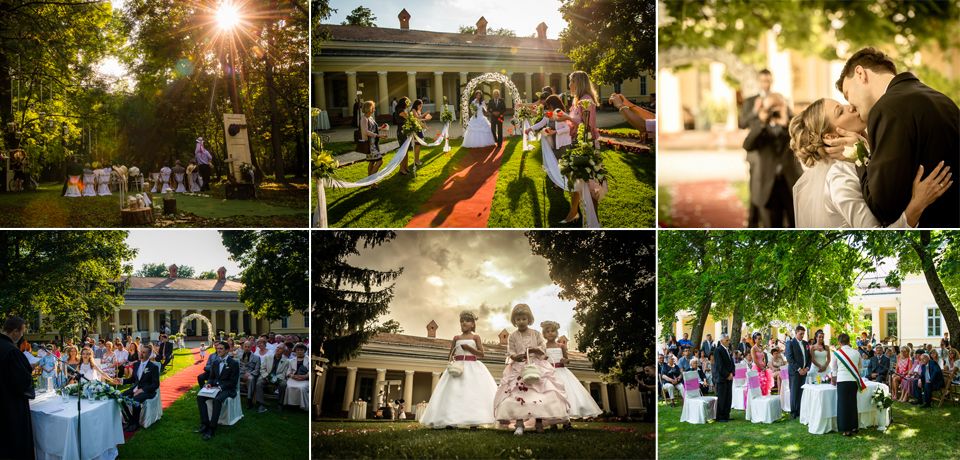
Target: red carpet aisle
465, 197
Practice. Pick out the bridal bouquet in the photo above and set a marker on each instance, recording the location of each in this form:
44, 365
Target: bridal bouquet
881, 399
97, 391
446, 116
324, 165
857, 153
582, 162
524, 112
412, 126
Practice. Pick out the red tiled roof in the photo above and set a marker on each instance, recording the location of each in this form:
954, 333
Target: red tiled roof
383, 34
184, 284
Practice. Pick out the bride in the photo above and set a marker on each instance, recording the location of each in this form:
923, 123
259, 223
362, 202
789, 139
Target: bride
828, 194
478, 133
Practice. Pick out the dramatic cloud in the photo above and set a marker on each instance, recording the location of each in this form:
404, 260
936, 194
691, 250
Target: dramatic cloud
487, 272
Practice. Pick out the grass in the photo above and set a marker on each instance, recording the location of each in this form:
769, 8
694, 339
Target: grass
524, 197
278, 206
269, 435
337, 439
913, 433
182, 358
664, 206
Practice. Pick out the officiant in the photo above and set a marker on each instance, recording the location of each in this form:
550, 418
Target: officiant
16, 391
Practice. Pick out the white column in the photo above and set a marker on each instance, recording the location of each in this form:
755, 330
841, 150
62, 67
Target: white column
528, 86
438, 90
320, 382
150, 322
229, 320
319, 93
412, 86
621, 400
384, 92
408, 390
351, 384
508, 98
213, 322
563, 82
381, 376
351, 88
240, 322
134, 313
116, 320
604, 397
433, 383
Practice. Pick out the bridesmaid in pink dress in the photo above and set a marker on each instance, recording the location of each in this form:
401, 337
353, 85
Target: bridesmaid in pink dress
583, 90
760, 365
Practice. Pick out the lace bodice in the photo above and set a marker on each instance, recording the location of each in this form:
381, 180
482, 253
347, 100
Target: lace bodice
555, 354
458, 350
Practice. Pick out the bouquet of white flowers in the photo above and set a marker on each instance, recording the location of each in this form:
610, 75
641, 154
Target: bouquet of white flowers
97, 391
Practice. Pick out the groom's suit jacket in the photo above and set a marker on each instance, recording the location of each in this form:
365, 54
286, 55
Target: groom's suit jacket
722, 364
798, 355
911, 125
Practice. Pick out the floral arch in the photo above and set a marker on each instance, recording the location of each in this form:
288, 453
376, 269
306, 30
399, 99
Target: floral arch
193, 316
472, 84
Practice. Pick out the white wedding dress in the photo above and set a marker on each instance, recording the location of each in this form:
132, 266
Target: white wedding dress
829, 195
582, 404
478, 133
466, 400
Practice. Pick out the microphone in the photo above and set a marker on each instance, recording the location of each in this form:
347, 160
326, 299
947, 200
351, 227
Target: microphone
74, 372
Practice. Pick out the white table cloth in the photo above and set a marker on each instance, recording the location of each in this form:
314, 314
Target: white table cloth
55, 428
818, 408
321, 121
358, 410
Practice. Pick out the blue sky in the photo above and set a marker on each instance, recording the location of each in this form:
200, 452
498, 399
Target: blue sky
200, 249
448, 15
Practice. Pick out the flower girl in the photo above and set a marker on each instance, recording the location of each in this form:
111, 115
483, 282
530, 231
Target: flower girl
529, 388
582, 404
464, 394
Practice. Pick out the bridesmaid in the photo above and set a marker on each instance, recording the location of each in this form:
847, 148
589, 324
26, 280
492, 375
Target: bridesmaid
760, 364
583, 90
399, 118
416, 111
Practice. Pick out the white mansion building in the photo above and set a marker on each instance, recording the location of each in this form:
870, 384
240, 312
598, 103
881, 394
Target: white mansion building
385, 63
412, 365
150, 304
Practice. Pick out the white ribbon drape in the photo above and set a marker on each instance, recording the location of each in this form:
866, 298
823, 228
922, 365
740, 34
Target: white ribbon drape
528, 137
441, 138
552, 166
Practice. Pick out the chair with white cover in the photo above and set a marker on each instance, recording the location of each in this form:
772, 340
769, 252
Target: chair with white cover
155, 179
297, 394
103, 181
760, 408
739, 386
697, 408
231, 412
784, 389
73, 187
165, 180
179, 179
152, 411
89, 184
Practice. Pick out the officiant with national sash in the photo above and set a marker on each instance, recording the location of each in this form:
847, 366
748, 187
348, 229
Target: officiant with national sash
849, 383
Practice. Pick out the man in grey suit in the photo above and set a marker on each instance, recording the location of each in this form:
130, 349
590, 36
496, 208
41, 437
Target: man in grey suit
798, 362
249, 371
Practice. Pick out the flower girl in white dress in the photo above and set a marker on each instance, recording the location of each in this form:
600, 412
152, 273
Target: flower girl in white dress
464, 395
582, 404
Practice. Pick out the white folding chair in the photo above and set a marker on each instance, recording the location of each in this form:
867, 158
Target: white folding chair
151, 412
784, 389
739, 386
697, 408
760, 409
231, 412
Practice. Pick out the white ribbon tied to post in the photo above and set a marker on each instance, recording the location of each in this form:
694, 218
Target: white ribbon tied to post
552, 167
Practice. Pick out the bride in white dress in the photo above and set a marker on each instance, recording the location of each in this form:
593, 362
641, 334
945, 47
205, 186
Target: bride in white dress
828, 194
465, 399
478, 133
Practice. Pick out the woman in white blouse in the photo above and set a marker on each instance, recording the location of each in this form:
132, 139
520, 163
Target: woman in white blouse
828, 194
848, 382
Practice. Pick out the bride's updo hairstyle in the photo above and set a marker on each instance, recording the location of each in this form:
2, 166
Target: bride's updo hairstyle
806, 134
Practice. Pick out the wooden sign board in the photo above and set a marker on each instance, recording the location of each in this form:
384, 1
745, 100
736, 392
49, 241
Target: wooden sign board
238, 144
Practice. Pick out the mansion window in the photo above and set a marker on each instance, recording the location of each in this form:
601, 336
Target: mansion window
643, 85
892, 324
934, 328
724, 327
283, 322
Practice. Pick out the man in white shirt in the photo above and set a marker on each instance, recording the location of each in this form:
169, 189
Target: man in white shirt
145, 381
798, 362
273, 374
224, 375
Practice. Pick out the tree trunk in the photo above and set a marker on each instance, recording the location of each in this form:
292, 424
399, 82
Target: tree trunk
701, 320
736, 325
6, 110
947, 309
275, 146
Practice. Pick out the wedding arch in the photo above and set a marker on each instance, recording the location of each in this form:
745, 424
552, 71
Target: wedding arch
467, 94
193, 316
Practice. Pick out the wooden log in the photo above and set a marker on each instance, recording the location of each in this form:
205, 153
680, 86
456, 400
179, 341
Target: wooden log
169, 205
142, 216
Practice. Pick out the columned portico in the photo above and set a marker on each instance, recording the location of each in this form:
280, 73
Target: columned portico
438, 90
408, 388
351, 386
412, 86
319, 92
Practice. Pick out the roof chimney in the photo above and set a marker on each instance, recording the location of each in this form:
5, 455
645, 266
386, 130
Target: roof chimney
173, 271
542, 31
504, 335
432, 329
481, 26
222, 273
404, 17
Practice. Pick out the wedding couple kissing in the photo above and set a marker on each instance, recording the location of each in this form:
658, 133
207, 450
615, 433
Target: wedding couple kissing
886, 159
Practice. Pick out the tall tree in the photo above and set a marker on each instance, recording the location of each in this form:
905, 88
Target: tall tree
71, 278
274, 272
935, 255
347, 300
612, 278
390, 327
612, 40
361, 16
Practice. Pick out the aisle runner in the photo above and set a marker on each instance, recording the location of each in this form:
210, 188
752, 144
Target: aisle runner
465, 197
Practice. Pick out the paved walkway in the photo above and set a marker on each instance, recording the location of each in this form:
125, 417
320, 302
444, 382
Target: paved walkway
463, 201
706, 204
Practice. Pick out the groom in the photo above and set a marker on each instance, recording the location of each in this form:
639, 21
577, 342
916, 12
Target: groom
908, 125
496, 108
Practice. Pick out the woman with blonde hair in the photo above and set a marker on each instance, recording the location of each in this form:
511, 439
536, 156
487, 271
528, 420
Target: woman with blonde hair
583, 91
370, 134
829, 194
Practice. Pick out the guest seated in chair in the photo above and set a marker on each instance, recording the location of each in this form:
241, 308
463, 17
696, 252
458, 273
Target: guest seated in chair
672, 377
223, 375
701, 376
145, 382
273, 375
879, 365
931, 380
164, 352
249, 370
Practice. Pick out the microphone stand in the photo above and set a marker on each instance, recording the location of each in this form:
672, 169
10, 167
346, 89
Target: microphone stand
80, 379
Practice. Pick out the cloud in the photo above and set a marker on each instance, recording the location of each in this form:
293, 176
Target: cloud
435, 280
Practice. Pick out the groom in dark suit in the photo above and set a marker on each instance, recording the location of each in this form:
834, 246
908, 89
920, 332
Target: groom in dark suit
798, 361
144, 383
722, 372
496, 110
909, 124
223, 374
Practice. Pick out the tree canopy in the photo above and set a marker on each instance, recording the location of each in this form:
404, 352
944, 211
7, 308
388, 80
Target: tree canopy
361, 16
612, 40
612, 278
71, 278
161, 270
274, 272
503, 32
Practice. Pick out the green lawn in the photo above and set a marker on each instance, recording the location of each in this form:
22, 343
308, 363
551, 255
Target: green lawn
524, 197
272, 434
277, 206
338, 439
914, 433
181, 358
